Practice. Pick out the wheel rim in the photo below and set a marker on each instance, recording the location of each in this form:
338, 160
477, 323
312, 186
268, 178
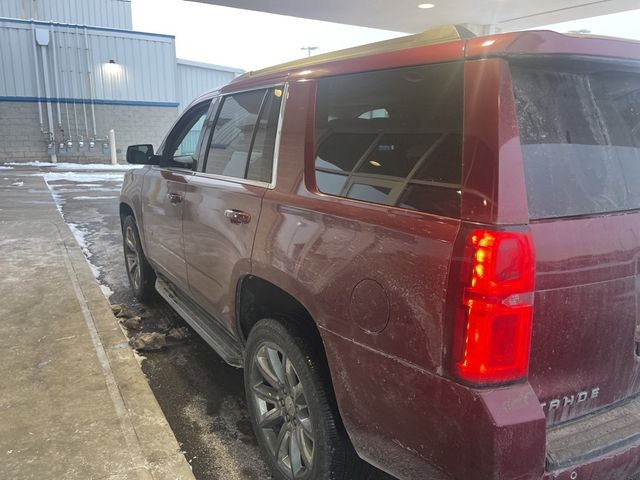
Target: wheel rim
132, 257
282, 412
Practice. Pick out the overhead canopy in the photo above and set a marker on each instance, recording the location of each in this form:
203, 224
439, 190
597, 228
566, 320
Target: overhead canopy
405, 16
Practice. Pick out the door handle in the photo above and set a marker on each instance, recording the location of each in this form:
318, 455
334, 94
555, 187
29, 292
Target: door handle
175, 198
237, 217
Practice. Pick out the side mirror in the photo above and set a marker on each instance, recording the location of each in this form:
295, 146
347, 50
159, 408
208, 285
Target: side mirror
142, 155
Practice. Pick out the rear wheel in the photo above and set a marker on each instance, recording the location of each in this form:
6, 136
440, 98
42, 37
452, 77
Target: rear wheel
292, 410
141, 276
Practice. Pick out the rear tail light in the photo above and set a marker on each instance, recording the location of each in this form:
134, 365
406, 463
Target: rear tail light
492, 332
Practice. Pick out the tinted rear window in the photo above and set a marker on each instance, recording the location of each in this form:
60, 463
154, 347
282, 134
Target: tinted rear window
392, 137
580, 132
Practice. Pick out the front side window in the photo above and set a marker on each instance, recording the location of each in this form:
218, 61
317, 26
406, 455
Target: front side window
242, 142
392, 137
184, 139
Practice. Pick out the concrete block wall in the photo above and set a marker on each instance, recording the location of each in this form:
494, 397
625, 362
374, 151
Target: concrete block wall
22, 141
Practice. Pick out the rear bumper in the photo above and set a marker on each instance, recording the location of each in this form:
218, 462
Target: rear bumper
620, 464
600, 446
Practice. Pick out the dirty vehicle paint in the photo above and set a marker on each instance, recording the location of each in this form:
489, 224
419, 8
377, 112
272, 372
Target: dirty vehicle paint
549, 294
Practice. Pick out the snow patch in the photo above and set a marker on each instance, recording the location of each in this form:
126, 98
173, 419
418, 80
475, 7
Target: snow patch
80, 234
81, 177
84, 190
75, 166
31, 164
5, 168
18, 183
88, 197
106, 291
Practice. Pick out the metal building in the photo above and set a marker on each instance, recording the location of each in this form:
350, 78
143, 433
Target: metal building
71, 70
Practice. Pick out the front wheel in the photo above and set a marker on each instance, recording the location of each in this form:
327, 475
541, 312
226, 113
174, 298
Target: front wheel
141, 276
293, 413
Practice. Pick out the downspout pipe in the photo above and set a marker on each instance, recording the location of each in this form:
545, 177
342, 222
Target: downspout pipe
82, 85
55, 79
72, 83
47, 92
90, 77
37, 72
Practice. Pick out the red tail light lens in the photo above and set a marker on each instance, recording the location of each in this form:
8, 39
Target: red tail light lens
493, 323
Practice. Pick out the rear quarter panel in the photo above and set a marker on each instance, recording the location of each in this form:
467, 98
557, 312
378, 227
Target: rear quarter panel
374, 278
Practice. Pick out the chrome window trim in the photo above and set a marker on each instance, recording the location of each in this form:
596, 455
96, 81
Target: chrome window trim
263, 86
276, 148
244, 181
182, 171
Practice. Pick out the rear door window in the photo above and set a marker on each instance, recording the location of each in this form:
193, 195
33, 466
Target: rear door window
579, 124
392, 137
243, 139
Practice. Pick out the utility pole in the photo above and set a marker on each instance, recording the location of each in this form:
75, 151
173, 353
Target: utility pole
309, 50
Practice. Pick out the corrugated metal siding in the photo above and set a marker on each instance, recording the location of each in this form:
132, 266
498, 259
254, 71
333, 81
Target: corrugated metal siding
145, 68
194, 79
101, 13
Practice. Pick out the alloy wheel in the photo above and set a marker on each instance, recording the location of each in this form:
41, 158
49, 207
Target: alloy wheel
282, 412
132, 257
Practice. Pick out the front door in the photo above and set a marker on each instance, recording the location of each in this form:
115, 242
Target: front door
224, 198
164, 193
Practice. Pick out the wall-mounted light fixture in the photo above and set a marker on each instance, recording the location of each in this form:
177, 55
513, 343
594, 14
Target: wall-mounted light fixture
112, 68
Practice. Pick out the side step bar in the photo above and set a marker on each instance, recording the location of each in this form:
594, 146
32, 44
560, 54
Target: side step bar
206, 325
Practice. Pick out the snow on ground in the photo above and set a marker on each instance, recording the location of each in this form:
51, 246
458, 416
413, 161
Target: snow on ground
2, 167
89, 197
115, 189
74, 166
83, 182
18, 183
106, 291
81, 237
81, 177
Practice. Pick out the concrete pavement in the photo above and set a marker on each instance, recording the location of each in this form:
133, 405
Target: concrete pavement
74, 403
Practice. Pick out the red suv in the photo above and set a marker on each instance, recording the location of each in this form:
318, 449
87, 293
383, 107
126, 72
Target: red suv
425, 253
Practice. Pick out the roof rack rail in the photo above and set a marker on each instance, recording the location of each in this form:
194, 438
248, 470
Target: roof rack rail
448, 33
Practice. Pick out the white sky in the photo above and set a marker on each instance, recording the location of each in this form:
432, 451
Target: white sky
623, 24
252, 40
242, 38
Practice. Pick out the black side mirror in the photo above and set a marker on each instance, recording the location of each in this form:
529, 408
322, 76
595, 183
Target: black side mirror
142, 155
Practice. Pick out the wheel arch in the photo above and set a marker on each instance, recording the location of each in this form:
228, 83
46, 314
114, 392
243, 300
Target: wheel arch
126, 210
257, 298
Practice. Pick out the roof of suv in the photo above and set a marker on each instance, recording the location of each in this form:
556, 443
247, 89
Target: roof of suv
453, 43
505, 44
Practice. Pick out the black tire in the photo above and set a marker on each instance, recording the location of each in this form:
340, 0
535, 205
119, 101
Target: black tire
332, 455
142, 278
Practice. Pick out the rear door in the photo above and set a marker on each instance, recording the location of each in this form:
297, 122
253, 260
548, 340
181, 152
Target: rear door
224, 197
579, 125
164, 192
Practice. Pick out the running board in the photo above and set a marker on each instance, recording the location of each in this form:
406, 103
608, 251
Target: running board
202, 322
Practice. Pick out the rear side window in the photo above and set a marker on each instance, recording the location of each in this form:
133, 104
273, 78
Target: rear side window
243, 139
579, 126
392, 137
